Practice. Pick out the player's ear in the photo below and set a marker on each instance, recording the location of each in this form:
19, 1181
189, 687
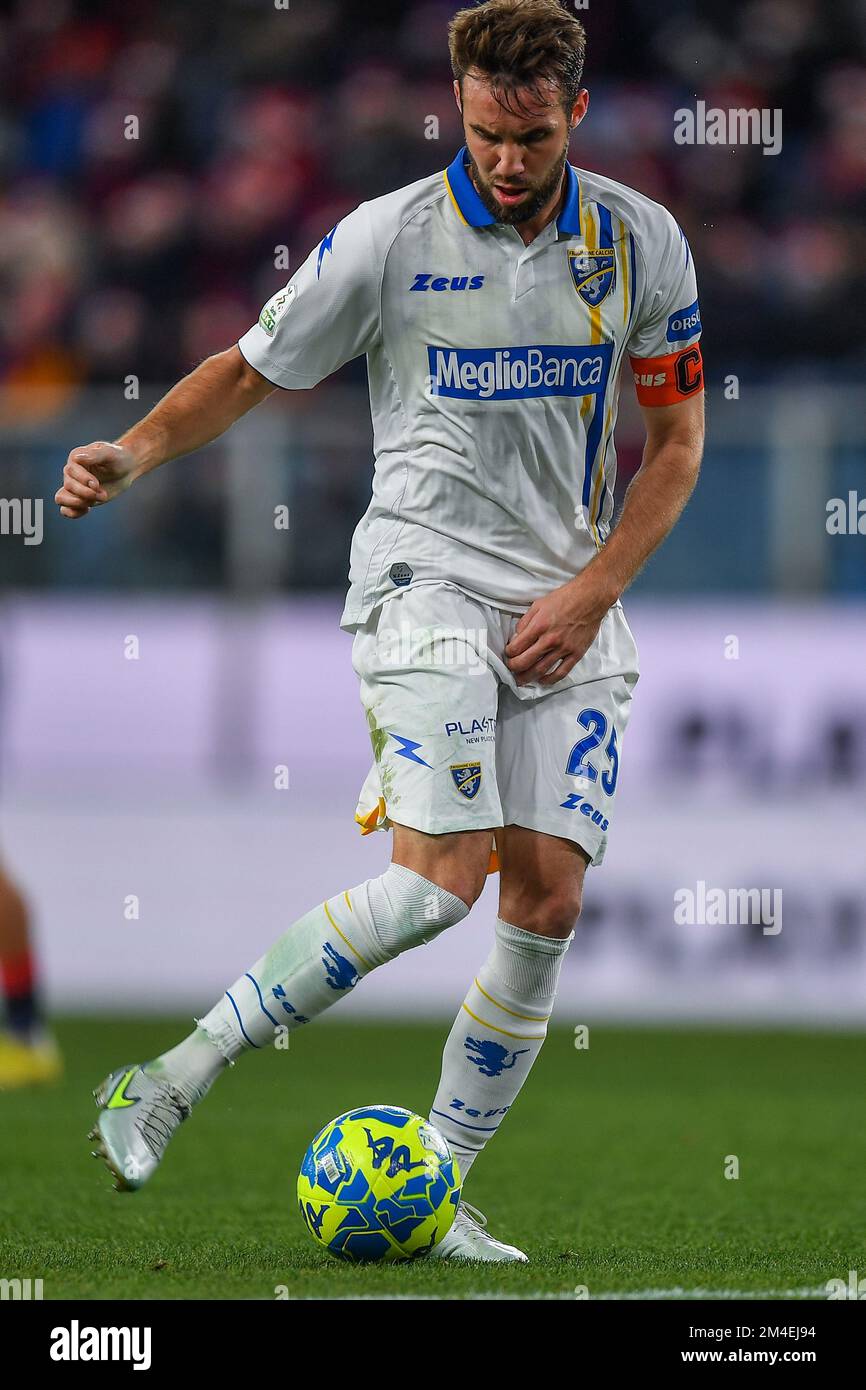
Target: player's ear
457, 96
579, 109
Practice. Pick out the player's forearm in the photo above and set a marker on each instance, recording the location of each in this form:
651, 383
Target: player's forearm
196, 411
653, 503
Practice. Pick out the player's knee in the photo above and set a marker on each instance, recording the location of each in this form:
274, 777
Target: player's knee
554, 913
418, 908
456, 862
562, 914
465, 884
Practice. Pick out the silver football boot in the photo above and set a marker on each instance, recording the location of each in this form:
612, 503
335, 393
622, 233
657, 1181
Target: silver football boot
469, 1240
138, 1115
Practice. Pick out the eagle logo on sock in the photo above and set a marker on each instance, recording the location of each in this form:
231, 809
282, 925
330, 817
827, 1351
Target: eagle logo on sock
492, 1059
341, 972
467, 778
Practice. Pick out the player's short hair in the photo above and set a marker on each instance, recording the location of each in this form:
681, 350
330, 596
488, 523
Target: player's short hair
517, 44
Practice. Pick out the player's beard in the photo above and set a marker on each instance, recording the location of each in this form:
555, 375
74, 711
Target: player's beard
531, 206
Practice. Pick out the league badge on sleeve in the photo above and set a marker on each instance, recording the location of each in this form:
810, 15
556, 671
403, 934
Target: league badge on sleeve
275, 308
593, 273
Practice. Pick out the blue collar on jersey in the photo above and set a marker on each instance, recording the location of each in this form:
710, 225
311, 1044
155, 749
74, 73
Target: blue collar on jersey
472, 211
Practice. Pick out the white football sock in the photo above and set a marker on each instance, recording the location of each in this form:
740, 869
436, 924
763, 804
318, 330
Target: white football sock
496, 1037
314, 964
193, 1065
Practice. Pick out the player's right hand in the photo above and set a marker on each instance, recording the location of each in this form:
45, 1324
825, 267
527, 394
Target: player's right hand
93, 475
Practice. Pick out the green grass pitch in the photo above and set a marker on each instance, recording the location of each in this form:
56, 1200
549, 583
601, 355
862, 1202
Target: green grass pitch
609, 1171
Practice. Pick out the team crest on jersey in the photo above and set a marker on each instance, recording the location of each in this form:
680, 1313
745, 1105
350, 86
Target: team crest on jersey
467, 778
593, 273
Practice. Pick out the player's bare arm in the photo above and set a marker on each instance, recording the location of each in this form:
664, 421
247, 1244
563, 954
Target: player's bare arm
196, 411
558, 629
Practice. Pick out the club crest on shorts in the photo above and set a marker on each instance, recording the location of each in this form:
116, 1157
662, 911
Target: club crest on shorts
593, 273
467, 778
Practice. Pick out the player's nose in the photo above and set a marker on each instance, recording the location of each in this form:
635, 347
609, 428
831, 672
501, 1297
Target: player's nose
510, 168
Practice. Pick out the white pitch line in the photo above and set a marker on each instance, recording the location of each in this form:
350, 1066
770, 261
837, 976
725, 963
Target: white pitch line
675, 1295
679, 1293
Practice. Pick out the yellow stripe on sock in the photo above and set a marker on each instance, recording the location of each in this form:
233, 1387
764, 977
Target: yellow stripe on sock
529, 1017
524, 1037
348, 900
346, 939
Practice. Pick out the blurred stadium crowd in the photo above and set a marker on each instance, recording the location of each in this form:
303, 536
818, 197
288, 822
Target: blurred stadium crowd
261, 126
258, 126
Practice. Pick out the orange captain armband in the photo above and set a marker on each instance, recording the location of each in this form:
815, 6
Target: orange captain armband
668, 380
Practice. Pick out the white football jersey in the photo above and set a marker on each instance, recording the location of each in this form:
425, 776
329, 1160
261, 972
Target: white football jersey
493, 373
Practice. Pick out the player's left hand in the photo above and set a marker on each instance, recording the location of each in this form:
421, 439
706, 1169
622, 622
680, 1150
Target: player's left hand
556, 631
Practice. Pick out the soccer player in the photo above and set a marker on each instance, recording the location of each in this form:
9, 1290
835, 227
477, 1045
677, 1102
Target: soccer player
29, 1054
496, 302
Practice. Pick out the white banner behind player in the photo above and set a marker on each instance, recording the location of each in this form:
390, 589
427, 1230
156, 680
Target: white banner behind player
735, 881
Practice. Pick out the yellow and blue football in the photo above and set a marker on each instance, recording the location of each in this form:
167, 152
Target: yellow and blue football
378, 1184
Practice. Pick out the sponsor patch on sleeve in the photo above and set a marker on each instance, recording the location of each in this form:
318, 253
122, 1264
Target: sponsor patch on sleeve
275, 308
684, 324
668, 380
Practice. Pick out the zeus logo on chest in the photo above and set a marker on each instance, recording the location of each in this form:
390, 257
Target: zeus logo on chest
428, 281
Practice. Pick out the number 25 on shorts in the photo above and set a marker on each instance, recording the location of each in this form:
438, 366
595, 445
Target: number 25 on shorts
579, 764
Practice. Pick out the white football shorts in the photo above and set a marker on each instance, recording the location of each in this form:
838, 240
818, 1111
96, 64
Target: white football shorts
458, 745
